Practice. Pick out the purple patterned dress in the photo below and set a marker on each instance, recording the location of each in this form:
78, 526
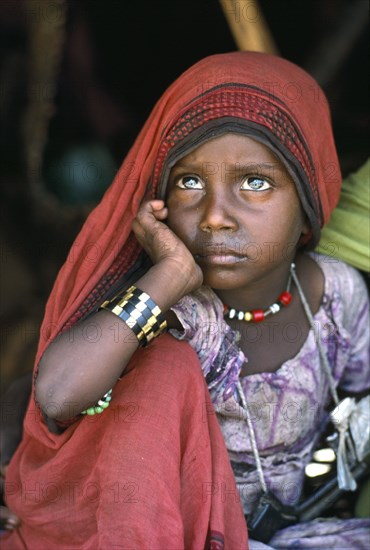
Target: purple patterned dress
287, 406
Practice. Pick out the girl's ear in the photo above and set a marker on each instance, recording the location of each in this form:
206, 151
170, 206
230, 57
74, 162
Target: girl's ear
306, 234
306, 229
304, 239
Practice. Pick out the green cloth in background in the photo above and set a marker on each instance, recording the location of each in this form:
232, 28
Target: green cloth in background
347, 235
362, 508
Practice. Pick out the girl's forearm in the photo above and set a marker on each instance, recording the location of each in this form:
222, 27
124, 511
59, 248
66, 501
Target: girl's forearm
85, 361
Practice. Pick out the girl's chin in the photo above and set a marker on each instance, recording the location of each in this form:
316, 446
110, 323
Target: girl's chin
221, 280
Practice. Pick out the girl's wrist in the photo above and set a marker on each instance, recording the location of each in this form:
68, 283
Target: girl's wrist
165, 284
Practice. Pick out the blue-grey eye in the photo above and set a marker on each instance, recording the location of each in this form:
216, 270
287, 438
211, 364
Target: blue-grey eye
189, 182
255, 183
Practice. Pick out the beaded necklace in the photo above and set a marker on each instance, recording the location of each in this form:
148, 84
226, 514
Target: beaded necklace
258, 315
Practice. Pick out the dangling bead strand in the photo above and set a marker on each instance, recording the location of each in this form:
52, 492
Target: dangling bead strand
258, 315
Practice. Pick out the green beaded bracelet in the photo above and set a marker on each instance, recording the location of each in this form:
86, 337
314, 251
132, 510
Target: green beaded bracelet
101, 405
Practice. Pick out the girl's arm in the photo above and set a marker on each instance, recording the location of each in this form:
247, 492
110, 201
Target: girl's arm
83, 363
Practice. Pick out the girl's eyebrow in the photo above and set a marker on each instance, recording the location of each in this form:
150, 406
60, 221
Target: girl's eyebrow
213, 167
183, 166
254, 166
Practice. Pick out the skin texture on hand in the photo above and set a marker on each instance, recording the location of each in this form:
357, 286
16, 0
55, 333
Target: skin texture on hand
164, 248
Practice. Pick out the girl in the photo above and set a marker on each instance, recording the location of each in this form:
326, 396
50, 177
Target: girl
225, 188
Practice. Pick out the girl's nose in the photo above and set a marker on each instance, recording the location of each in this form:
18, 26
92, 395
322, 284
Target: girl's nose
216, 213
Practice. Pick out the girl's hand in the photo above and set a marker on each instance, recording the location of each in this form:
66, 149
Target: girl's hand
165, 249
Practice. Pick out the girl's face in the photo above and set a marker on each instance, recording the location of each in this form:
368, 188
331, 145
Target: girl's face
234, 205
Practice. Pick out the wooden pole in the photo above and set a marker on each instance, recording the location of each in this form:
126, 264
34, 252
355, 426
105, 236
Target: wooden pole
248, 26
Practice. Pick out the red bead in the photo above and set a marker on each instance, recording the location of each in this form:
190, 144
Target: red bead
285, 298
258, 315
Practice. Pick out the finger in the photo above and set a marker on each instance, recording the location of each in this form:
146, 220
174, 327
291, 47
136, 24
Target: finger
161, 214
139, 231
156, 204
147, 217
152, 206
156, 208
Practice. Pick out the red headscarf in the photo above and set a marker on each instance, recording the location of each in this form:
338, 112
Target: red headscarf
280, 104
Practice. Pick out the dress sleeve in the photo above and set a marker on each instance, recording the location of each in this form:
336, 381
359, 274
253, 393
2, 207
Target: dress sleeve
201, 316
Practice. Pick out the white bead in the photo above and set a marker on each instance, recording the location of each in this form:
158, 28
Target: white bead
232, 313
240, 316
274, 308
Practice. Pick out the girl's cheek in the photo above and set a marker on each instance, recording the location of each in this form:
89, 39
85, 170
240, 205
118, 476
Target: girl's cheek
176, 227
170, 217
175, 211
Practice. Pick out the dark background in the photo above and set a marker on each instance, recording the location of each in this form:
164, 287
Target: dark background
140, 48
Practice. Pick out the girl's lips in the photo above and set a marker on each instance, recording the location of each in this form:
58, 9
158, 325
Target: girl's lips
220, 259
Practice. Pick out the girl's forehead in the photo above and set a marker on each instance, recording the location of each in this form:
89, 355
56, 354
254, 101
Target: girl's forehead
230, 148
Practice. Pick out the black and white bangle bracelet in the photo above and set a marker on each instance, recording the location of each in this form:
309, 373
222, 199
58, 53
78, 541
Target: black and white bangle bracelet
139, 312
